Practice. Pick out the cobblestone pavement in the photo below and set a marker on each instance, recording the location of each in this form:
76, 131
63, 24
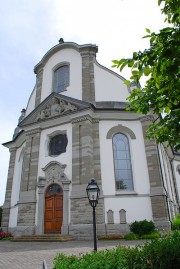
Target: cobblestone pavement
30, 255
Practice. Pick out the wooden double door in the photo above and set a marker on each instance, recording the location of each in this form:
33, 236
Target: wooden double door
53, 216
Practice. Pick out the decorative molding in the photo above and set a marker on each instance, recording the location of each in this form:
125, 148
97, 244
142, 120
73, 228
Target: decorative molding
54, 108
31, 132
120, 129
84, 118
95, 120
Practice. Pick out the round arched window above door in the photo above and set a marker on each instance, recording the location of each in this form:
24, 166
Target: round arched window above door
54, 189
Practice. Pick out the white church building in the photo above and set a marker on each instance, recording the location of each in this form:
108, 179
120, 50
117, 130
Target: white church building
75, 128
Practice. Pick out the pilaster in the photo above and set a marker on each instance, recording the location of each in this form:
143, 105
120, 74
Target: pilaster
85, 166
157, 192
39, 79
27, 200
88, 88
7, 203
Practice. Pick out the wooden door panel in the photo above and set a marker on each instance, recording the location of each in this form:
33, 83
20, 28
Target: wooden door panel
49, 215
48, 226
49, 202
53, 213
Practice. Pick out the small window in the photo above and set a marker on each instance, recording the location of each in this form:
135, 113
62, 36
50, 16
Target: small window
122, 162
57, 145
61, 78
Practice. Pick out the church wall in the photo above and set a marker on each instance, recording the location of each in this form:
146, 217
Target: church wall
72, 57
168, 181
123, 199
159, 197
13, 217
109, 86
139, 165
17, 176
64, 158
16, 187
176, 166
131, 204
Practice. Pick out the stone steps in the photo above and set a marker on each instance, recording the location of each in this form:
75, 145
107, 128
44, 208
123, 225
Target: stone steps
43, 238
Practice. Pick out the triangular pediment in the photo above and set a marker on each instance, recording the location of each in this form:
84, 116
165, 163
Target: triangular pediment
55, 105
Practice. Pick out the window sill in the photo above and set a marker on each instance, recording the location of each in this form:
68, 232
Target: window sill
123, 192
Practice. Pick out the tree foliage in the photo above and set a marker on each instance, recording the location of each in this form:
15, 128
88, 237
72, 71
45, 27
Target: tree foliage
161, 65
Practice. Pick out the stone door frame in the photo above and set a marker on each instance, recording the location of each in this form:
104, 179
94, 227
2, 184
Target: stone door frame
54, 173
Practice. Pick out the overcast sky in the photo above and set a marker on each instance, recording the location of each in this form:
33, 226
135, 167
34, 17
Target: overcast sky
29, 28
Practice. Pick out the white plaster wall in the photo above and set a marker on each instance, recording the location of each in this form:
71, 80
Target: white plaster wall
75, 86
109, 86
138, 158
31, 102
137, 208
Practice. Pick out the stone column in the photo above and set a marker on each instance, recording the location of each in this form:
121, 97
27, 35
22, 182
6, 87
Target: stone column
7, 203
40, 206
157, 191
88, 88
65, 225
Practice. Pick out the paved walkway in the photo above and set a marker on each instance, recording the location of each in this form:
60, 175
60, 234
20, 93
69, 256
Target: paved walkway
30, 255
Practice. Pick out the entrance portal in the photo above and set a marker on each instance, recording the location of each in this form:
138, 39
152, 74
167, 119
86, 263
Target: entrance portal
53, 216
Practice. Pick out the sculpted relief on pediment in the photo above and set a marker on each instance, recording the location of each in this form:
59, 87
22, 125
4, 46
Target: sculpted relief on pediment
55, 107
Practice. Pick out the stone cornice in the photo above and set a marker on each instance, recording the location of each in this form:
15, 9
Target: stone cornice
32, 132
82, 118
61, 46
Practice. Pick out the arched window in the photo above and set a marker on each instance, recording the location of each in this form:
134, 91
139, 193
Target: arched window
122, 162
61, 78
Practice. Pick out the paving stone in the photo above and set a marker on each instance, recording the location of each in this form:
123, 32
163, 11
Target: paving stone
30, 255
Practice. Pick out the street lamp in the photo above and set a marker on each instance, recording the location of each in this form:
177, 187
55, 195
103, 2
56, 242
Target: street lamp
93, 193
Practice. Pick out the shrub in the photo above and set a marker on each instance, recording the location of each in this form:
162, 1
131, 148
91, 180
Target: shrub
130, 236
163, 253
142, 227
157, 254
153, 235
176, 223
4, 235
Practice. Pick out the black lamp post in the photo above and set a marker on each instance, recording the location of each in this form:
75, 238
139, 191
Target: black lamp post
93, 193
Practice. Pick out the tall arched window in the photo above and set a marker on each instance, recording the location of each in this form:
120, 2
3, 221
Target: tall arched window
61, 78
122, 162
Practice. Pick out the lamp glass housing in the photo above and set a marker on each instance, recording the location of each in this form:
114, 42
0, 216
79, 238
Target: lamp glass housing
93, 192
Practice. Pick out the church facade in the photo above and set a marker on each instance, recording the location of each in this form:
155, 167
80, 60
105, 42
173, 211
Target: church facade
75, 128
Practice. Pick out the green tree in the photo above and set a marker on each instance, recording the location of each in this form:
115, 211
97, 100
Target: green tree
161, 64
